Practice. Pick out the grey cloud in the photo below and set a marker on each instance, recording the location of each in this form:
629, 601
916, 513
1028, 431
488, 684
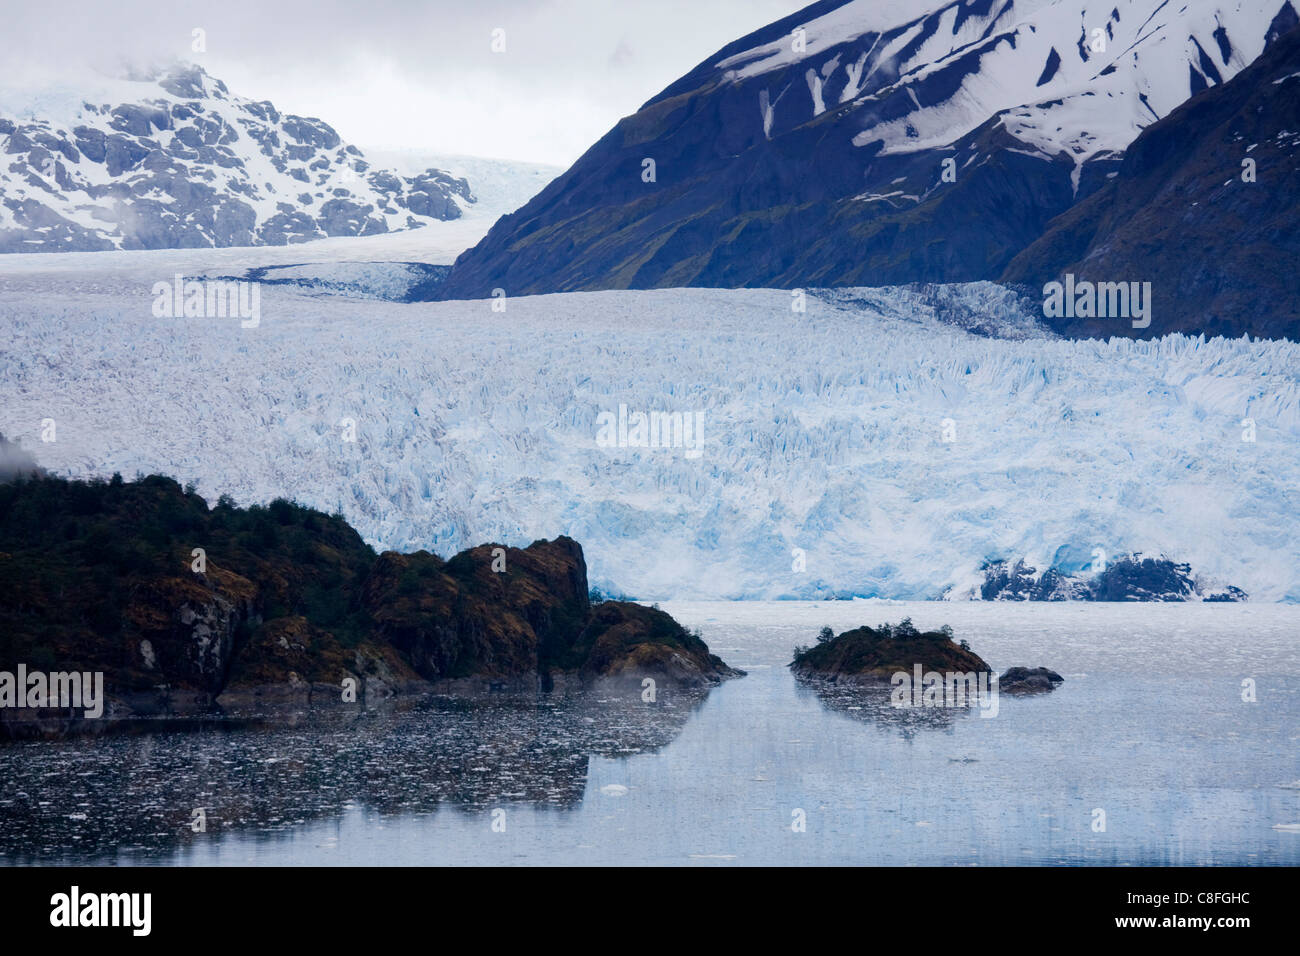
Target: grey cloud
400, 73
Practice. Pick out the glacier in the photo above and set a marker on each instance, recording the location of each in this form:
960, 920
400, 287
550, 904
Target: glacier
824, 469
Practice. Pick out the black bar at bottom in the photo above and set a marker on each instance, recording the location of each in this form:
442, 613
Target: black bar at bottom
337, 906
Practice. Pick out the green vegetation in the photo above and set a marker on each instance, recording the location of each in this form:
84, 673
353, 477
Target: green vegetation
145, 581
76, 556
883, 650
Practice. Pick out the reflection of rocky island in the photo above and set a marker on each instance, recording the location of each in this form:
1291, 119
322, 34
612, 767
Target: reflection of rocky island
870, 703
183, 607
134, 795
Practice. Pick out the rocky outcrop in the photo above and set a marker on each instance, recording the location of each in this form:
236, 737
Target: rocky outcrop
1127, 578
625, 643
183, 607
928, 674
1029, 680
508, 617
462, 620
875, 655
182, 634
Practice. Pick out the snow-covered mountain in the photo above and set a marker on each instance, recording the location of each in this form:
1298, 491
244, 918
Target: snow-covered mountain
1063, 77
172, 159
866, 446
1205, 207
830, 148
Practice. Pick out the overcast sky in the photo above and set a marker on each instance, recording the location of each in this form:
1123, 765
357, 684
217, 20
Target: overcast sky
415, 74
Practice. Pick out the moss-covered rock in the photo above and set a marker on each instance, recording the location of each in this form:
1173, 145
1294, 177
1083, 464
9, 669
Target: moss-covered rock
627, 642
870, 655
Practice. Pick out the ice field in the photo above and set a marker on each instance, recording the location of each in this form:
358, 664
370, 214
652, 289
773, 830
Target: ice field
861, 447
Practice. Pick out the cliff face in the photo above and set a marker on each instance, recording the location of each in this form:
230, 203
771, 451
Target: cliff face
461, 618
187, 631
182, 606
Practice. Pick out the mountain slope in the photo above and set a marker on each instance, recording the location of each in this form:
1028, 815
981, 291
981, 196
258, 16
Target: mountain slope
824, 165
171, 159
1217, 242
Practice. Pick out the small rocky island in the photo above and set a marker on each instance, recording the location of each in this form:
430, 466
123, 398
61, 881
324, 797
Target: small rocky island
868, 656
1029, 680
185, 608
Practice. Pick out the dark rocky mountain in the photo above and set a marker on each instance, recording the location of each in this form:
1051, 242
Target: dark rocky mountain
172, 159
285, 603
829, 149
1217, 241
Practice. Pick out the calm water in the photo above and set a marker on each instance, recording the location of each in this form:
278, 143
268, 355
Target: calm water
1149, 726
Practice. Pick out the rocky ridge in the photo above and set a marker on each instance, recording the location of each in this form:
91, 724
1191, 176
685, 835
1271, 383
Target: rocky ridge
185, 608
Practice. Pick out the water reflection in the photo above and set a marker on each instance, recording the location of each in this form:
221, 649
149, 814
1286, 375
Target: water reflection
871, 703
91, 799
1187, 772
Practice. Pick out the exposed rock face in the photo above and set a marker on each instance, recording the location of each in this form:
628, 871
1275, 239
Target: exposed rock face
1128, 578
291, 661
461, 619
1185, 215
187, 164
284, 605
186, 629
874, 655
624, 642
465, 622
1029, 680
